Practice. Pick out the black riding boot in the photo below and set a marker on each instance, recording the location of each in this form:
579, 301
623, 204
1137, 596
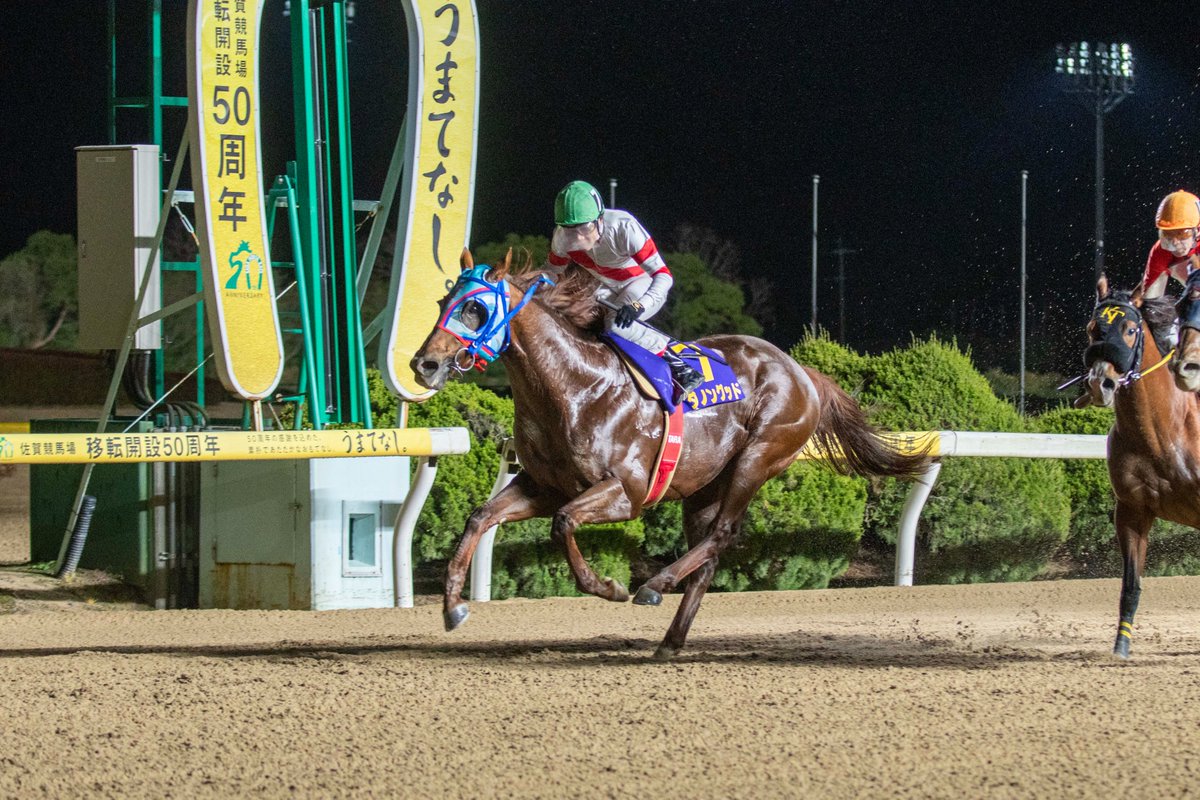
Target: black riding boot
687, 378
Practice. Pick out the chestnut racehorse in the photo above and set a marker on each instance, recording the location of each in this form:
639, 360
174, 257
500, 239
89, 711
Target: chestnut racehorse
1154, 444
587, 440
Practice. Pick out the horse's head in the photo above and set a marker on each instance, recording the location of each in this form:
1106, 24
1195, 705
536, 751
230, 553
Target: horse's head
1186, 365
1115, 341
473, 327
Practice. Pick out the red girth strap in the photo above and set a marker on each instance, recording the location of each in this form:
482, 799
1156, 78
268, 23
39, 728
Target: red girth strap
668, 455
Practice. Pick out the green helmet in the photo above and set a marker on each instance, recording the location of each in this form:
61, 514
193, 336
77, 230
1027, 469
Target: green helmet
577, 203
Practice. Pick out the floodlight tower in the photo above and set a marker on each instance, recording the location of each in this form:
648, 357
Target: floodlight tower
1102, 76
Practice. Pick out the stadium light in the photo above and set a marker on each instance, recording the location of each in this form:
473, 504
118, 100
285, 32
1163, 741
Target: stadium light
1100, 75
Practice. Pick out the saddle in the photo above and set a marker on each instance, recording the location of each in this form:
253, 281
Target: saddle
652, 376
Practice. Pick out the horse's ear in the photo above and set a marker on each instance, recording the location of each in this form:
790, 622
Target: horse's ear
466, 261
1138, 295
1101, 287
500, 271
526, 260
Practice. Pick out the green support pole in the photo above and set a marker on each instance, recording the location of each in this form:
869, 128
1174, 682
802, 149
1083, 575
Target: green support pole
306, 206
354, 405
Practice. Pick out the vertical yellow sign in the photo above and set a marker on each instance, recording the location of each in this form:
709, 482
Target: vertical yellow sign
239, 291
439, 178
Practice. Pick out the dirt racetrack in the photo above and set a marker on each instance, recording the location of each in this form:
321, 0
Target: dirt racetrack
939, 691
969, 691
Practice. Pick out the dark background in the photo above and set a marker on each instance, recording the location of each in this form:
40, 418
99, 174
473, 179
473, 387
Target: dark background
918, 118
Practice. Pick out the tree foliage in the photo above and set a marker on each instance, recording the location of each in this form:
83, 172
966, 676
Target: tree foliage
536, 248
39, 293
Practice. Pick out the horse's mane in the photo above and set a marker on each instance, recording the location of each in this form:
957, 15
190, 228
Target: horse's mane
573, 295
1159, 314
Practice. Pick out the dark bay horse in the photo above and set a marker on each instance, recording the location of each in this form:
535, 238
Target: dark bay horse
1154, 444
587, 440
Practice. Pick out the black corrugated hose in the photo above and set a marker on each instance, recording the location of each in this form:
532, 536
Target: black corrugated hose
78, 537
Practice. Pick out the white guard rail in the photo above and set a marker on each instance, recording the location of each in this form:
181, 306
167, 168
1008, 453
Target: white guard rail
943, 444
985, 445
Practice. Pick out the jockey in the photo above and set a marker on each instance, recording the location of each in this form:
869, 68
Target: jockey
1175, 252
614, 247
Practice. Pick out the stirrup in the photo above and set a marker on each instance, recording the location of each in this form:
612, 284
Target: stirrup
688, 379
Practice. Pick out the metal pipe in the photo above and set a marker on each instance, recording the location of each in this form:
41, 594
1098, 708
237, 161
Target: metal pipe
481, 563
816, 180
906, 542
1100, 111
1024, 185
402, 535
322, 256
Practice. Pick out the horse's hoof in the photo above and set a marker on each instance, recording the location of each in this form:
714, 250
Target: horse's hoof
617, 592
666, 652
1121, 648
456, 616
647, 597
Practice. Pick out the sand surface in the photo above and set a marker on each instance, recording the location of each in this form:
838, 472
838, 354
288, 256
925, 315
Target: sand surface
993, 690
939, 691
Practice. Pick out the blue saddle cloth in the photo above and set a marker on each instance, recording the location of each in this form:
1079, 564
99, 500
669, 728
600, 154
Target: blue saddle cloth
720, 384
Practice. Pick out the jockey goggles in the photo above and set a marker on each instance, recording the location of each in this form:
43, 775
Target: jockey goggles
1178, 242
580, 237
485, 345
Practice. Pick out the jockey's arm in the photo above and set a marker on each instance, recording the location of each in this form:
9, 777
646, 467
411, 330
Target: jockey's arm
654, 298
558, 263
1160, 265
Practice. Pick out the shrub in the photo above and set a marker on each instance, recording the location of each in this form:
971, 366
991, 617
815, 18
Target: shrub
539, 568
800, 531
987, 519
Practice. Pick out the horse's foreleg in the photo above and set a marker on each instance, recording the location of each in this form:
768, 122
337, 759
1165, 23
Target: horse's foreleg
735, 487
736, 496
698, 514
1133, 527
697, 585
604, 502
521, 499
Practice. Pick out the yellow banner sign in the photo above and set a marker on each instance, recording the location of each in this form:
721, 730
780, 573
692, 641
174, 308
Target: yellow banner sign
239, 291
439, 178
116, 448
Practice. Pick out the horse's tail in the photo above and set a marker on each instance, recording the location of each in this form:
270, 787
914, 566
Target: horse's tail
852, 445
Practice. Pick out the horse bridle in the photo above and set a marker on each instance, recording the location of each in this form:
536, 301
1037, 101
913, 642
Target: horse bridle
481, 347
1107, 316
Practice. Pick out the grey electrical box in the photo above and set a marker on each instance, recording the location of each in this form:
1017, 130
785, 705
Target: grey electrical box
118, 200
309, 534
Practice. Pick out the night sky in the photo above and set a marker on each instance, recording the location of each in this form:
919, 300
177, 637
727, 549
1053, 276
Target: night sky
718, 114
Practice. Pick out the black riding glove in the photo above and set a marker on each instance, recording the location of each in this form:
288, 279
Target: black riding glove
627, 313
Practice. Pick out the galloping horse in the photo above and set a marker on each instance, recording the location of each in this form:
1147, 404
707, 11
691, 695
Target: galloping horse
1154, 445
587, 440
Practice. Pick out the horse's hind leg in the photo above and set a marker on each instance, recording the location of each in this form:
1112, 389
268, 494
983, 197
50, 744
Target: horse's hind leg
1133, 527
604, 502
521, 499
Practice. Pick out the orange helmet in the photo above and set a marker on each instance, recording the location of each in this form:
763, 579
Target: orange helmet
1178, 210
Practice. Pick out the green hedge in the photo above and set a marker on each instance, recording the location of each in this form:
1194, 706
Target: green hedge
800, 532
987, 519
